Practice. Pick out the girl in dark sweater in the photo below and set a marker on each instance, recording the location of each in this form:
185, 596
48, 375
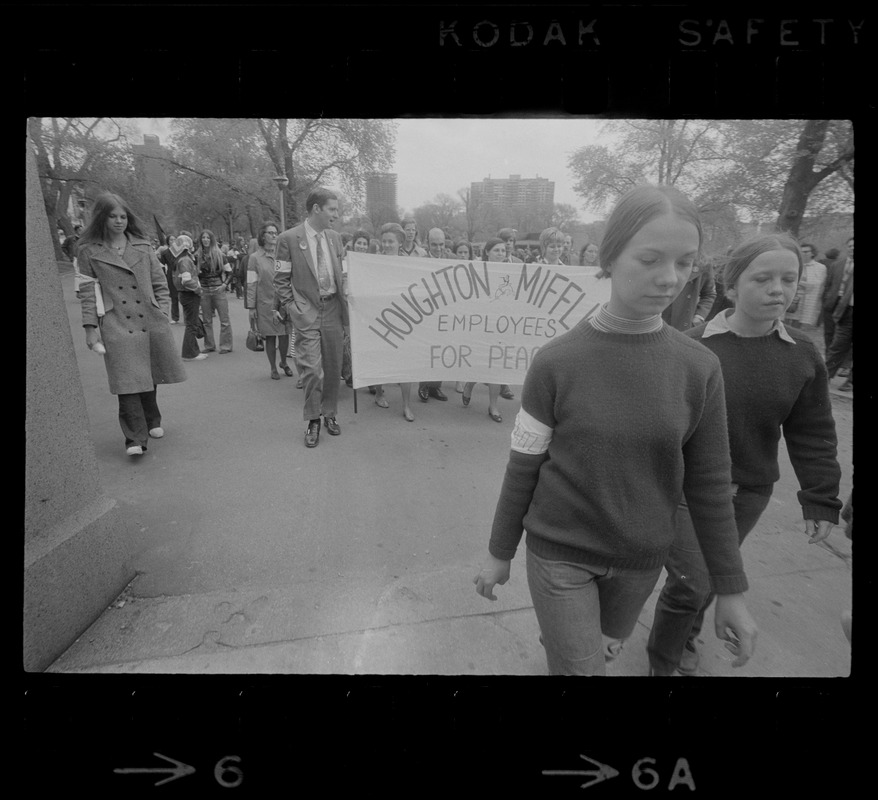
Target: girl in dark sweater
618, 418
775, 383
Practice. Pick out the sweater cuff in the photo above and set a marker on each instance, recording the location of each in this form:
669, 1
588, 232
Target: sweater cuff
728, 584
820, 513
502, 553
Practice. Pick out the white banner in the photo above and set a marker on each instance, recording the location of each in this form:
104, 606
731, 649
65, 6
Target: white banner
427, 319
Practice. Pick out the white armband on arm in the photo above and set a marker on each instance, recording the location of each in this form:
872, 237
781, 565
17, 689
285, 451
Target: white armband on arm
529, 435
283, 266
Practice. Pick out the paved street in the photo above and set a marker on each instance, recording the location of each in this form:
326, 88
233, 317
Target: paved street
255, 555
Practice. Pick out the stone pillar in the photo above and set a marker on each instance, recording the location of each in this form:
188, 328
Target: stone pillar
75, 538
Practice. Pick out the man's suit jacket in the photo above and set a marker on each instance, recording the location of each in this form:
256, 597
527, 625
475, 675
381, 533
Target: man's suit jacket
845, 299
834, 275
295, 280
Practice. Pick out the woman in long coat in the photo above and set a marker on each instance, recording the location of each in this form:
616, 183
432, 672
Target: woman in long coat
125, 308
260, 300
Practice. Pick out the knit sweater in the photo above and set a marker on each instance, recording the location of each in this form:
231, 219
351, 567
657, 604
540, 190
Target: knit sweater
637, 419
773, 386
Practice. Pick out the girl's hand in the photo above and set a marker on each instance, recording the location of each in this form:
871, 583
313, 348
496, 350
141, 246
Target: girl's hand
817, 530
736, 627
495, 571
92, 338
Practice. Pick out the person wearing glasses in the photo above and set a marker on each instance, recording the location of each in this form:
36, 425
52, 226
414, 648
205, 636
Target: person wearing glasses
260, 300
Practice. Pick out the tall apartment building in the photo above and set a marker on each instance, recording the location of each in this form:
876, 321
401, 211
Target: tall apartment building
381, 190
504, 193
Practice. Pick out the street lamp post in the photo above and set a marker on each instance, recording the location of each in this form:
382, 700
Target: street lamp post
282, 182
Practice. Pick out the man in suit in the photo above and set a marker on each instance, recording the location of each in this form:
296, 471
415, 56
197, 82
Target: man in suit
843, 317
831, 288
308, 283
435, 249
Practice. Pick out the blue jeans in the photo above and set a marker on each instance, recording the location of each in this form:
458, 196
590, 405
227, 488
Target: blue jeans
215, 298
191, 303
686, 595
585, 612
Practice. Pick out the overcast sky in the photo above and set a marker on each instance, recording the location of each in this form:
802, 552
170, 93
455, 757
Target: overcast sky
436, 156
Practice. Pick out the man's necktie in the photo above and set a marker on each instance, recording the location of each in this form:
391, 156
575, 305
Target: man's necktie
322, 269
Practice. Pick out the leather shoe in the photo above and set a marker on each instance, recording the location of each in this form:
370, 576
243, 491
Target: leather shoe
506, 392
423, 393
312, 433
438, 394
331, 426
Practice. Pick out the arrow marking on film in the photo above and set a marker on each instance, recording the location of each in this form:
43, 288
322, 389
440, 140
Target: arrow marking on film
603, 772
179, 770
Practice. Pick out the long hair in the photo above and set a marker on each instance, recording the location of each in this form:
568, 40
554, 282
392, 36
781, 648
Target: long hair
411, 221
468, 247
96, 230
744, 255
639, 207
213, 259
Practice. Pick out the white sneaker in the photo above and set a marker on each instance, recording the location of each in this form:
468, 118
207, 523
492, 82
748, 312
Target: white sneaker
135, 450
156, 433
199, 357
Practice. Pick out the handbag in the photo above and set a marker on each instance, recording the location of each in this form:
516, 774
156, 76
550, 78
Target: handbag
254, 341
199, 328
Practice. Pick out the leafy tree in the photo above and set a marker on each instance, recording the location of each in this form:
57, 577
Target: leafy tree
673, 152
763, 168
336, 152
564, 215
440, 213
79, 158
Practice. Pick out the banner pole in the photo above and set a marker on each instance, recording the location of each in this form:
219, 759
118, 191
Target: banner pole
355, 401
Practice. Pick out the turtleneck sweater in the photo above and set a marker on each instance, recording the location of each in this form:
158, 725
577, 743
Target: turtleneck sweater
637, 420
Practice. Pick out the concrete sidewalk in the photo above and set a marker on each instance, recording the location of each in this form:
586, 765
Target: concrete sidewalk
255, 555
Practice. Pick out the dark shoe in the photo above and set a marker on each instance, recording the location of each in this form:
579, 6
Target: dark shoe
506, 392
372, 390
312, 433
209, 350
275, 375
438, 394
423, 393
467, 393
223, 352
287, 371
495, 417
331, 426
